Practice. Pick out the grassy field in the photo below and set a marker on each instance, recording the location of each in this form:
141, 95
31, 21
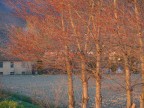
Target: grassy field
51, 90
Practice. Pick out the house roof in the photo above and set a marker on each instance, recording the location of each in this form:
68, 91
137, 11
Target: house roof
5, 57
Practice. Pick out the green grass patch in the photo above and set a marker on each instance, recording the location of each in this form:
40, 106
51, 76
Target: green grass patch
10, 104
13, 100
16, 100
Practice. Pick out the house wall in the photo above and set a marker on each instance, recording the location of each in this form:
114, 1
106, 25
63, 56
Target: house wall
6, 69
19, 67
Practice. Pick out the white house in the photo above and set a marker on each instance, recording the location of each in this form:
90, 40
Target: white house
11, 66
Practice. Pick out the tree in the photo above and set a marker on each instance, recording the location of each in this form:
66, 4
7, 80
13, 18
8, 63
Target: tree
98, 97
84, 32
43, 37
124, 50
138, 17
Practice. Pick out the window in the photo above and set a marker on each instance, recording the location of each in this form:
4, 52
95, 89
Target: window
1, 73
12, 64
1, 64
11, 73
23, 73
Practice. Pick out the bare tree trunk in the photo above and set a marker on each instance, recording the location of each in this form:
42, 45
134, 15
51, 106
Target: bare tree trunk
70, 84
142, 72
126, 66
133, 105
84, 84
141, 48
98, 79
128, 83
97, 73
69, 71
141, 101
83, 65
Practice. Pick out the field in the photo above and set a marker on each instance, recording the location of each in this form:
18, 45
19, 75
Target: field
52, 89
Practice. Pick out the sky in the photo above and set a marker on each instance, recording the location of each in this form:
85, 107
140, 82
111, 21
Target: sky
6, 16
7, 19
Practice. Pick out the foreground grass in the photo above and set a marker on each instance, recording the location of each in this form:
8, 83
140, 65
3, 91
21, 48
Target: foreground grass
10, 100
15, 100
